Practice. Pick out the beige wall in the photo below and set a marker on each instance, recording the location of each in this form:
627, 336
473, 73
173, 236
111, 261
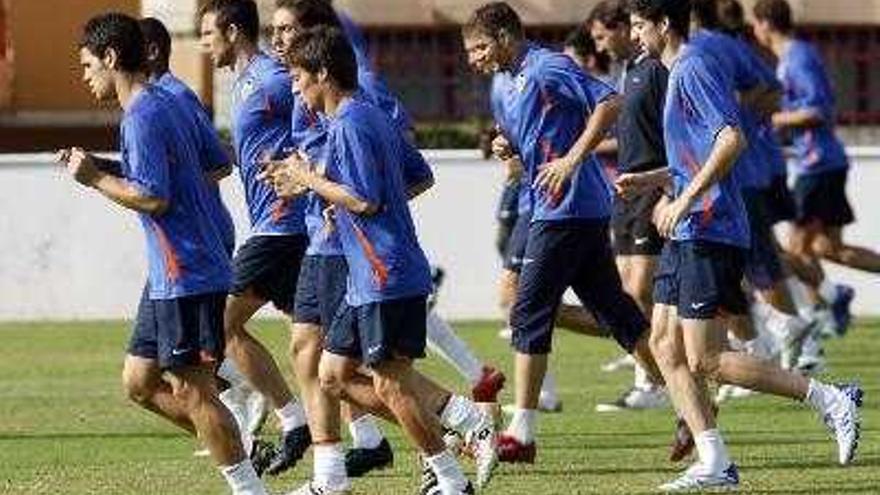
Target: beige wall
46, 74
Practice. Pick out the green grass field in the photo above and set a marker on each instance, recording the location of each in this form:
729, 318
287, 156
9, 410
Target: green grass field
65, 427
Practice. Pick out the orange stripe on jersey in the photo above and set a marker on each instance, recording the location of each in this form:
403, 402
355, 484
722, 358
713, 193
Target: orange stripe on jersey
278, 209
687, 157
172, 262
380, 271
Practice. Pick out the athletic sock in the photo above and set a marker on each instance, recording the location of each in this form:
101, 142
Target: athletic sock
712, 451
522, 425
229, 372
330, 467
291, 416
443, 340
827, 290
461, 415
365, 433
820, 396
243, 479
800, 297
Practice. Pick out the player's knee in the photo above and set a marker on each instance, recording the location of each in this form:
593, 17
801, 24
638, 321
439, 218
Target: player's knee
662, 346
387, 388
304, 340
137, 387
705, 365
331, 379
825, 248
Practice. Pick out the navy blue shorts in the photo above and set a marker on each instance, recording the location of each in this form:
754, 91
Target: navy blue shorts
821, 198
375, 332
516, 245
779, 201
269, 265
632, 224
180, 332
576, 254
702, 279
763, 267
320, 290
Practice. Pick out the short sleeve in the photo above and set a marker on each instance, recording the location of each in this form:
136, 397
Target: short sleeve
357, 165
146, 158
377, 91
562, 79
212, 153
415, 169
707, 96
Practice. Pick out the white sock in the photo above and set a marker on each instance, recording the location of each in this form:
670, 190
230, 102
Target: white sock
800, 297
291, 416
365, 433
243, 479
828, 290
330, 467
229, 372
461, 415
443, 340
548, 386
641, 380
449, 473
522, 425
712, 451
820, 396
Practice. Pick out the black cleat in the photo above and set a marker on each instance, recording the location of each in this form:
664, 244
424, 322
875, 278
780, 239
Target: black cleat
261, 455
292, 448
359, 462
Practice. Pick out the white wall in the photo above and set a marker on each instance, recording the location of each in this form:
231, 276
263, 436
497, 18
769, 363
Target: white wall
66, 253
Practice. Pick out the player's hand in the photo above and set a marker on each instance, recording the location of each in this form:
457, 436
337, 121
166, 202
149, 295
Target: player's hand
329, 214
287, 177
630, 185
501, 148
669, 213
553, 176
80, 165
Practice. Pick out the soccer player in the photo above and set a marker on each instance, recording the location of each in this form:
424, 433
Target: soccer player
640, 149
267, 265
177, 342
247, 405
381, 322
821, 165
701, 267
555, 115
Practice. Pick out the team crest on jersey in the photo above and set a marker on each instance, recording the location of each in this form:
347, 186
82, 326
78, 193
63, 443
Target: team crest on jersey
247, 88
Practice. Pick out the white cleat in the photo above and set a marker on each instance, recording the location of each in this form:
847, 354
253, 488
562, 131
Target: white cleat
844, 421
624, 362
480, 442
636, 399
697, 478
312, 488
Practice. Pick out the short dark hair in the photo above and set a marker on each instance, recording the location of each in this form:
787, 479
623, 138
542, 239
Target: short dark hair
493, 19
310, 13
241, 13
611, 13
326, 47
732, 17
155, 33
677, 11
705, 12
776, 12
119, 32
584, 46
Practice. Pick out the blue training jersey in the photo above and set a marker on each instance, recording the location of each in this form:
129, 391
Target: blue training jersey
159, 156
806, 87
211, 153
545, 104
699, 104
309, 136
747, 70
262, 103
382, 250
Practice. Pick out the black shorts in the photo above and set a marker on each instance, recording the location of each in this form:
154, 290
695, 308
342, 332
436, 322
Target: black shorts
821, 198
375, 332
633, 227
516, 245
702, 279
320, 289
180, 332
763, 267
779, 200
576, 254
502, 236
269, 265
